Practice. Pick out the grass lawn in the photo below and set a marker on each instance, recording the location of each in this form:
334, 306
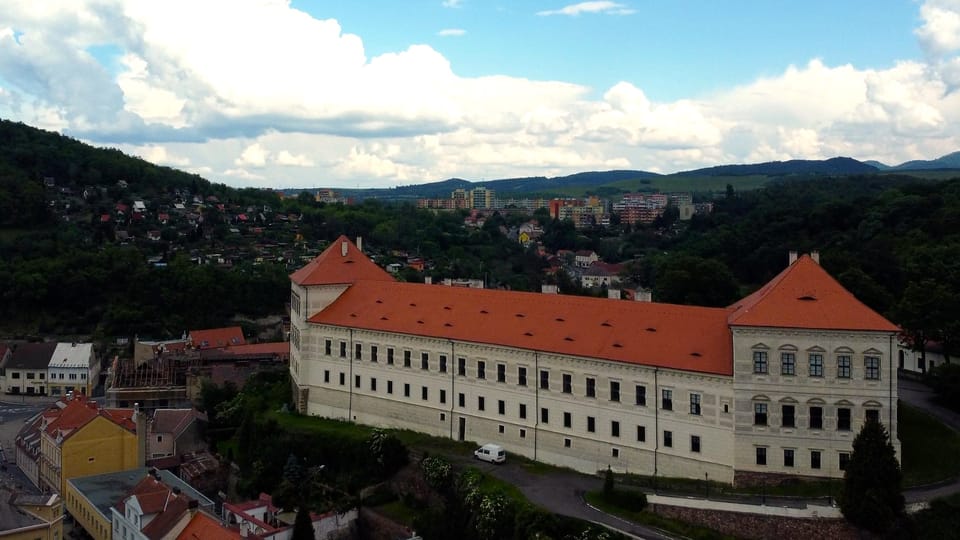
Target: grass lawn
929, 448
650, 519
398, 512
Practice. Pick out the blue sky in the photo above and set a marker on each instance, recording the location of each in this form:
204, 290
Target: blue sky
673, 49
305, 93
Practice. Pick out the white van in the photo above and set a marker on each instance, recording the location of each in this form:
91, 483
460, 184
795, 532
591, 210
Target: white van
494, 453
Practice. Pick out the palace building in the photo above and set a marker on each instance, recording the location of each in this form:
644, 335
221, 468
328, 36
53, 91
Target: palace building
776, 385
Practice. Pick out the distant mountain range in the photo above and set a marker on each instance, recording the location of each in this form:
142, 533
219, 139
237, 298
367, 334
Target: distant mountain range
519, 187
836, 166
949, 161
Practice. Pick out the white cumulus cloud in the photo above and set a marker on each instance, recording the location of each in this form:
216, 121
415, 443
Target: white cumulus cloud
448, 32
599, 6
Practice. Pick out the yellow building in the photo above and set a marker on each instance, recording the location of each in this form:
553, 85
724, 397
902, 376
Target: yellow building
30, 517
85, 440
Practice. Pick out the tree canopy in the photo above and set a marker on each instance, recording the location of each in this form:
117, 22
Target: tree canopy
871, 496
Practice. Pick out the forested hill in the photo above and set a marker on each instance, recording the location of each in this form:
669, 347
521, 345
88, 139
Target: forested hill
837, 166
28, 155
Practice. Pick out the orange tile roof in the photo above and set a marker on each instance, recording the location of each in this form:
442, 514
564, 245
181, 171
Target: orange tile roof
663, 335
332, 267
804, 295
217, 338
205, 527
77, 412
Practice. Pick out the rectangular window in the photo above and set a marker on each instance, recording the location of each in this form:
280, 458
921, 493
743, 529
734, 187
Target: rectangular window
462, 367
695, 404
871, 366
844, 460
443, 363
32, 375
462, 399
544, 379
667, 400
327, 347
424, 393
668, 439
343, 349
501, 407
406, 358
443, 396
326, 375
481, 369
425, 361
523, 410
567, 420
566, 443
357, 351
814, 459
614, 391
641, 433
816, 365
872, 415
761, 456
373, 384
501, 373
614, 428
523, 433
843, 366
816, 417
615, 452
343, 379
373, 353
500, 428
544, 415
759, 414
406, 389
843, 419
787, 457
787, 416
695, 443
788, 363
521, 376
390, 355
481, 403
389, 387
591, 424
760, 362
640, 395
567, 383
591, 387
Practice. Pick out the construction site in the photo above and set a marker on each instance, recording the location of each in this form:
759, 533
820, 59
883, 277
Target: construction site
171, 377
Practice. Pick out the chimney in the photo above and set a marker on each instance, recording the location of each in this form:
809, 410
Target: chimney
343, 248
613, 294
643, 295
428, 280
815, 255
360, 243
792, 258
140, 419
549, 289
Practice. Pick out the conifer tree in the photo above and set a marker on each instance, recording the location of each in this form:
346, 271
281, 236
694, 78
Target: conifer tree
871, 496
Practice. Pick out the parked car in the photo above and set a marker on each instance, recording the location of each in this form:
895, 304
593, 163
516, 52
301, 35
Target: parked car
493, 453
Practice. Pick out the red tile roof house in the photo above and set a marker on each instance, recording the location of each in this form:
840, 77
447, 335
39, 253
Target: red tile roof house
261, 519
775, 386
155, 510
216, 338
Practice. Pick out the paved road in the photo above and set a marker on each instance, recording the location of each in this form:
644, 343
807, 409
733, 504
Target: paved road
921, 396
562, 493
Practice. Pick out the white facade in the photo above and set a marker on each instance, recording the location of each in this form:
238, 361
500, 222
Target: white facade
592, 413
72, 368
